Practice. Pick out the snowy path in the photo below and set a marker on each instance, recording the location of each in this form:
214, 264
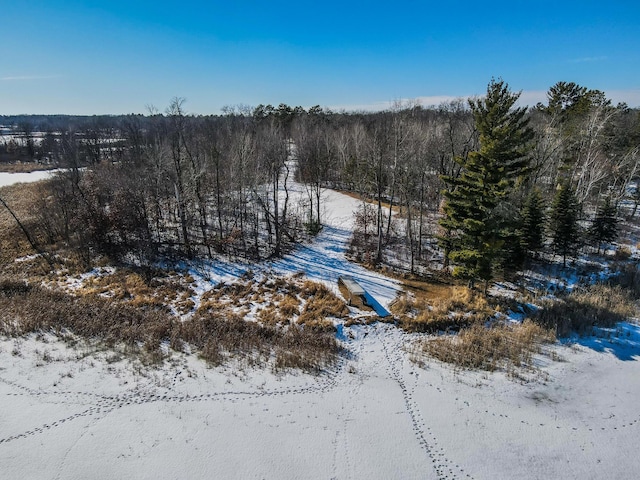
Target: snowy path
322, 260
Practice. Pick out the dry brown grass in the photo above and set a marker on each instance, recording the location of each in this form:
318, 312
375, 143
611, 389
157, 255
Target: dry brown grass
319, 324
217, 337
327, 306
34, 309
160, 292
440, 308
320, 303
270, 316
281, 300
597, 305
622, 253
24, 167
289, 306
628, 278
503, 346
23, 200
434, 307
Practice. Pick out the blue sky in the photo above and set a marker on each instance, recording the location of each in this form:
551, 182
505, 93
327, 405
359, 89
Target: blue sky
122, 56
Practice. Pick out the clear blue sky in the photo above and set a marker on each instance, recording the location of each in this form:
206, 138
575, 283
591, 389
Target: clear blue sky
122, 55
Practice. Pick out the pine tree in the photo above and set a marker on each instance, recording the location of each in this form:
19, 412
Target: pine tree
473, 215
563, 223
531, 234
604, 228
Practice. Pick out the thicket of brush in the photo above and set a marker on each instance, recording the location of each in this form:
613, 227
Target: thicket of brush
511, 346
456, 308
280, 301
476, 345
502, 346
598, 305
28, 309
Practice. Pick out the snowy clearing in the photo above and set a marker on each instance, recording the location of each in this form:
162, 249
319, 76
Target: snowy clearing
12, 178
378, 415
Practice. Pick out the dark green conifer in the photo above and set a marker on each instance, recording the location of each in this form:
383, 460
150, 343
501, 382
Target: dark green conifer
563, 223
604, 228
473, 217
532, 223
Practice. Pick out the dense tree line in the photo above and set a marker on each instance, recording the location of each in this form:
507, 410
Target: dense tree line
176, 184
506, 183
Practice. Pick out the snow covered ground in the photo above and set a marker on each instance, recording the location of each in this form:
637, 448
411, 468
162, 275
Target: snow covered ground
75, 412
11, 178
377, 415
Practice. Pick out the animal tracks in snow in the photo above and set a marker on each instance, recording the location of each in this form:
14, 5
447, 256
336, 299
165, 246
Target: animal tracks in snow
101, 404
345, 413
342, 457
443, 468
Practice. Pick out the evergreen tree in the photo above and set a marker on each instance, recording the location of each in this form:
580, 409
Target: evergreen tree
604, 228
563, 224
531, 234
473, 213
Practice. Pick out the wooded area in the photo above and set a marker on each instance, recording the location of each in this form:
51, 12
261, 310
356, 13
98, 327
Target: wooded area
481, 186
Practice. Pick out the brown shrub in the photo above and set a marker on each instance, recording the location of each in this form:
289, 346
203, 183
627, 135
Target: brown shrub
216, 335
310, 288
596, 305
403, 305
627, 278
159, 292
306, 350
453, 308
501, 346
622, 253
39, 309
23, 200
269, 316
318, 308
289, 306
320, 325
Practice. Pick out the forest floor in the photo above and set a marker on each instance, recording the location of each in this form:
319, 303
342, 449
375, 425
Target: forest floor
385, 410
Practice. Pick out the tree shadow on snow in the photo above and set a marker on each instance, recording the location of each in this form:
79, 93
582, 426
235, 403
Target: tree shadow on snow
324, 259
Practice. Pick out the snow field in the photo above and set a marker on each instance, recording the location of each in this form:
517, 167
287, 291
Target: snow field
377, 415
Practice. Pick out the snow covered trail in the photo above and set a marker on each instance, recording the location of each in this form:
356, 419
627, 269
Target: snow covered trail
322, 260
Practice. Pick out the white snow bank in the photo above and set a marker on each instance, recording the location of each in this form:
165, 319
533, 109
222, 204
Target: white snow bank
13, 178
